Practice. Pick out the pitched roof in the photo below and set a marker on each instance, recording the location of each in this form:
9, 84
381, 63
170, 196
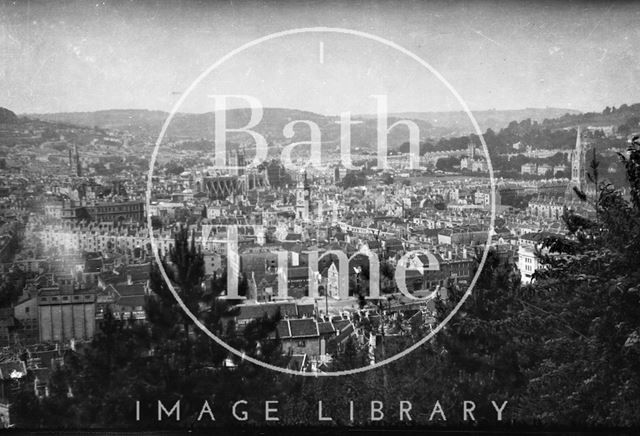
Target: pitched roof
138, 272
293, 237
325, 328
341, 324
93, 265
537, 236
346, 333
283, 329
46, 358
256, 311
131, 301
129, 290
302, 328
306, 309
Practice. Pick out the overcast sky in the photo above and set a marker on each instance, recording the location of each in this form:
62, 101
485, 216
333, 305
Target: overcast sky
83, 56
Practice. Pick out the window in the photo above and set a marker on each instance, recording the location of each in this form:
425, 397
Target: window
26, 310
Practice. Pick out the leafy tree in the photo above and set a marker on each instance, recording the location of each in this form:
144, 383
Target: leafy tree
587, 298
173, 168
353, 179
387, 179
474, 356
11, 286
447, 163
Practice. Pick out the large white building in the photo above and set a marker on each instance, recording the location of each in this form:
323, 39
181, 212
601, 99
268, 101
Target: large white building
529, 245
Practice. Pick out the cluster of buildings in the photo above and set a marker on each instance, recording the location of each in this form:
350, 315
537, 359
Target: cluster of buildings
77, 243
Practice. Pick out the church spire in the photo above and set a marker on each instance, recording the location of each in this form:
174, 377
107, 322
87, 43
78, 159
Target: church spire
78, 166
577, 167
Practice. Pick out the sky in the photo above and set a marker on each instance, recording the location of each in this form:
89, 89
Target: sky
73, 56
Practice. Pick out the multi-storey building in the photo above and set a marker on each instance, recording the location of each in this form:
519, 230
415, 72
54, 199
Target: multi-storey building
66, 314
529, 245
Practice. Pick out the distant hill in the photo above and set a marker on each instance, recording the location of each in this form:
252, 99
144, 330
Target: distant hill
364, 135
487, 119
139, 120
198, 126
610, 116
7, 117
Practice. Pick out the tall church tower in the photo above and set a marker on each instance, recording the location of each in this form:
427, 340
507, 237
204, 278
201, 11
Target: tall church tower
303, 196
471, 151
577, 168
74, 162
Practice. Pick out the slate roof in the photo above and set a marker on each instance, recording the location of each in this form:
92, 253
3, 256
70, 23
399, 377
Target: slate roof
341, 324
326, 328
46, 358
345, 334
131, 301
110, 278
93, 265
537, 237
306, 310
303, 328
138, 272
293, 237
257, 311
129, 290
283, 329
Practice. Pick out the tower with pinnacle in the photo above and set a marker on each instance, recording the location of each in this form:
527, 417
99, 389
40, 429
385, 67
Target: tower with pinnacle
303, 196
578, 171
74, 162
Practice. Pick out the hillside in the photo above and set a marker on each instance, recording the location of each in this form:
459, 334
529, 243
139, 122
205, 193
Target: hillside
197, 126
493, 119
610, 116
7, 117
432, 124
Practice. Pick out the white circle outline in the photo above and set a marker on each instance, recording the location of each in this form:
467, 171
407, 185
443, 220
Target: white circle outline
269, 37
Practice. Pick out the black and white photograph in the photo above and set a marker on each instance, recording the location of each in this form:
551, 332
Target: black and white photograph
301, 216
